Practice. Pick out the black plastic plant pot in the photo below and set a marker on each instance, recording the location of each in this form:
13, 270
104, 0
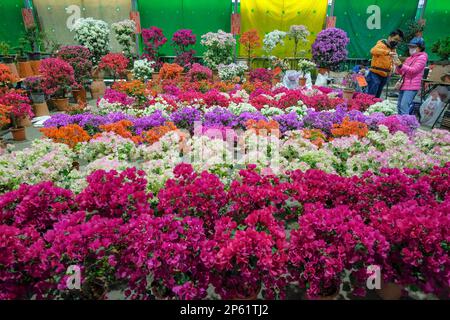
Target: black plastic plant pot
34, 55
7, 59
22, 58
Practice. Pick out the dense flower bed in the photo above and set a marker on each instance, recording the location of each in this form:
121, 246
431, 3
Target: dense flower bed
191, 190
260, 232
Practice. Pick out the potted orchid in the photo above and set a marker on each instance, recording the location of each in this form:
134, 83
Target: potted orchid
57, 81
330, 48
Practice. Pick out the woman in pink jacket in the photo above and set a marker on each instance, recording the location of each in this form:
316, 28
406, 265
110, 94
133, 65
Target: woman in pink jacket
412, 72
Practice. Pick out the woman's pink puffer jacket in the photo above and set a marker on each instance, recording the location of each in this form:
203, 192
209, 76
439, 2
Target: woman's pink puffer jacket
412, 71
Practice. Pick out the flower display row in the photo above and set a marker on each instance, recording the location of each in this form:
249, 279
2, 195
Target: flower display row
196, 237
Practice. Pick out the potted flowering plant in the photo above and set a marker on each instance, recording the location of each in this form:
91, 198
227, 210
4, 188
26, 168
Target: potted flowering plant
143, 69
272, 40
114, 63
219, 48
57, 80
79, 58
232, 72
199, 73
305, 66
181, 41
34, 86
153, 39
125, 36
300, 34
251, 41
170, 71
7, 78
94, 35
20, 110
330, 48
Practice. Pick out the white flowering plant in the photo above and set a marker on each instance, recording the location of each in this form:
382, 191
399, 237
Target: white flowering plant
232, 72
219, 48
124, 32
300, 34
306, 66
143, 69
94, 35
273, 39
387, 107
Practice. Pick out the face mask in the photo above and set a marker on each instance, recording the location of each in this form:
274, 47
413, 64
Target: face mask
412, 51
393, 44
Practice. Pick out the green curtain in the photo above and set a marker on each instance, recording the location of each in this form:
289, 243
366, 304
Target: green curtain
201, 16
352, 16
437, 16
11, 22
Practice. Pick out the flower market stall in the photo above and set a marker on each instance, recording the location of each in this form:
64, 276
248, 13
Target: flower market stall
203, 176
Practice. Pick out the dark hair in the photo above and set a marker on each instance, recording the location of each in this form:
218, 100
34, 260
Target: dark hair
397, 32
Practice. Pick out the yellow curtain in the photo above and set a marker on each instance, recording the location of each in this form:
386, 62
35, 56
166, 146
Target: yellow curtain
268, 15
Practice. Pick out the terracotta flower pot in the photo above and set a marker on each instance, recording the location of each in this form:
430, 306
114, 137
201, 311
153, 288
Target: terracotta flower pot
61, 104
25, 122
98, 89
25, 69
302, 82
390, 291
79, 95
348, 94
19, 134
35, 64
13, 68
41, 109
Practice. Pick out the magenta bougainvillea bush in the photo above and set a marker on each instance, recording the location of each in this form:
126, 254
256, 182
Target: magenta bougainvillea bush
256, 236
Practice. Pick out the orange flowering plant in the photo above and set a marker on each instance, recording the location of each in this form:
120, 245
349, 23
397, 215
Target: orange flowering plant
4, 115
71, 134
316, 136
6, 77
348, 128
250, 41
263, 127
122, 128
153, 135
170, 71
136, 89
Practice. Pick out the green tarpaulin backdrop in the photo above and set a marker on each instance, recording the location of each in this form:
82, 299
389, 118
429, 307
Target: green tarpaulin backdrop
11, 22
352, 16
437, 16
201, 16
